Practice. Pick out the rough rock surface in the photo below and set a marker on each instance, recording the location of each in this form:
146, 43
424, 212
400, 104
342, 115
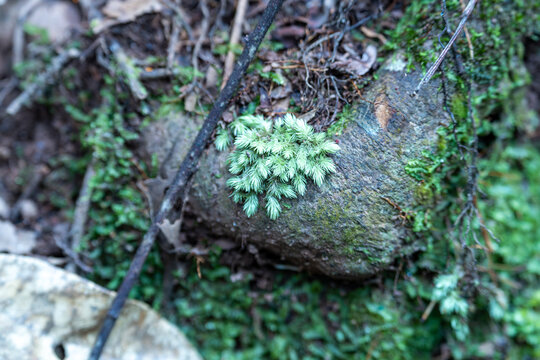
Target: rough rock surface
44, 308
344, 229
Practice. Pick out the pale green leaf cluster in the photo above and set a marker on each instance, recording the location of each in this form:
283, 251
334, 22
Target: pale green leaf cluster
274, 159
451, 304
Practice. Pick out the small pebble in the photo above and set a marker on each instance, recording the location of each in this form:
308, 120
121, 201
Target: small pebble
29, 210
5, 153
4, 209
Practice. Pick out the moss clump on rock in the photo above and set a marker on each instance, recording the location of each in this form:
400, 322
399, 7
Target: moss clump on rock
274, 159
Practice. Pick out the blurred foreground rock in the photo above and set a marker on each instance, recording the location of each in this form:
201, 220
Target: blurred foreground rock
351, 226
48, 313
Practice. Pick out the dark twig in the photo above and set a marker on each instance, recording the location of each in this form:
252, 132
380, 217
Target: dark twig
11, 84
337, 33
337, 36
46, 78
180, 17
235, 37
72, 255
452, 116
204, 29
18, 32
468, 10
80, 215
184, 173
457, 57
128, 70
343, 21
173, 43
156, 74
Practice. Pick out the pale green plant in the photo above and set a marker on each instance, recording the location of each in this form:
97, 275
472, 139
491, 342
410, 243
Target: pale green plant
274, 159
451, 304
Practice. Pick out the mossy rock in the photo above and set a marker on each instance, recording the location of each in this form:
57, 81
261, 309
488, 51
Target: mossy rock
351, 226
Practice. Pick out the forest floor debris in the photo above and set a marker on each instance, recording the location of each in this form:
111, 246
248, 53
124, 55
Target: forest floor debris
295, 69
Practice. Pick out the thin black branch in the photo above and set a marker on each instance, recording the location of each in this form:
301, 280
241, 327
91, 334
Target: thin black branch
180, 17
204, 29
186, 170
6, 90
468, 10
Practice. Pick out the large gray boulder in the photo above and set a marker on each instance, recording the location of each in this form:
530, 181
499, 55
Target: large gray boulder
348, 228
48, 313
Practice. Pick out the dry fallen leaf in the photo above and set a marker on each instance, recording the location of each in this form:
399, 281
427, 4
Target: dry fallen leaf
281, 105
281, 92
171, 231
373, 34
119, 12
355, 66
156, 190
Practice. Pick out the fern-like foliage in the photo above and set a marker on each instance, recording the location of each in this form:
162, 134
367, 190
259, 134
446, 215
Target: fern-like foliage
275, 159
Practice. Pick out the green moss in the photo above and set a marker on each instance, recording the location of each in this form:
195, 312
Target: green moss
344, 117
118, 215
297, 317
423, 193
513, 212
497, 30
496, 70
333, 214
459, 107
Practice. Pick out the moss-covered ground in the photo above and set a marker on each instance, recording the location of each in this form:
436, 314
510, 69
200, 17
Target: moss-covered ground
481, 300
484, 305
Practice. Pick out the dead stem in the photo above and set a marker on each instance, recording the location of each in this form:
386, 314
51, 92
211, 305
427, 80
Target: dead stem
468, 10
239, 18
46, 78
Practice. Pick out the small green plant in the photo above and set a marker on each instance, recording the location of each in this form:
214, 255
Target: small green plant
451, 304
275, 77
117, 216
215, 313
39, 34
274, 159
